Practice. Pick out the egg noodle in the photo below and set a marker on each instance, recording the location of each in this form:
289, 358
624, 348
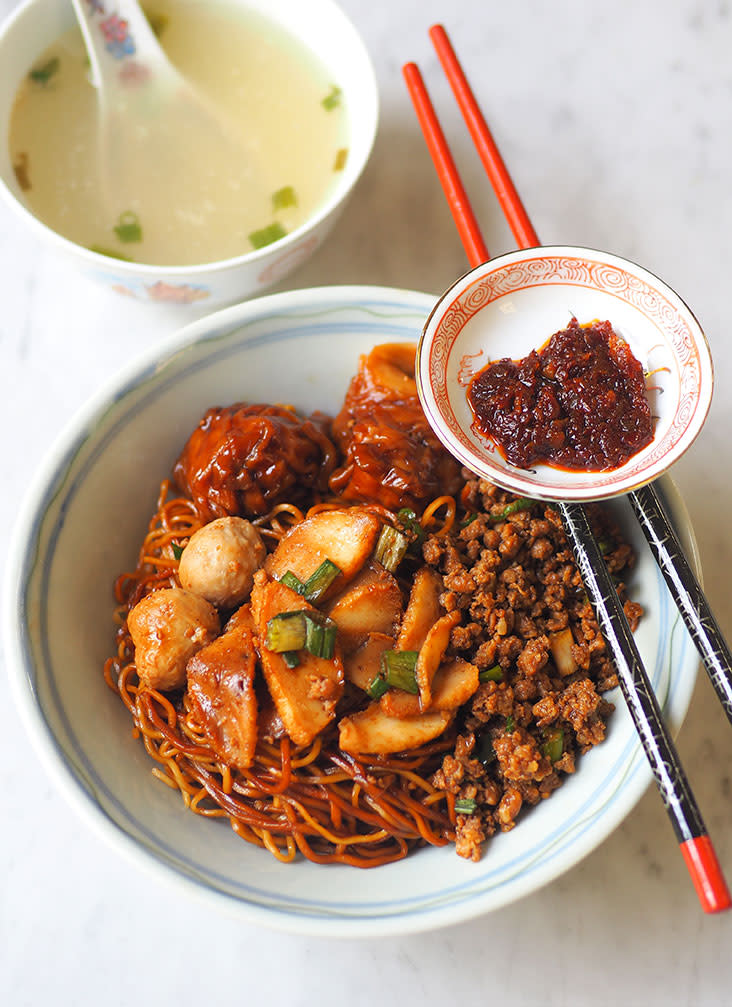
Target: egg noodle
316, 800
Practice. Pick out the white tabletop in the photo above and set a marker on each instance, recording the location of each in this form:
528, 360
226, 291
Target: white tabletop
616, 122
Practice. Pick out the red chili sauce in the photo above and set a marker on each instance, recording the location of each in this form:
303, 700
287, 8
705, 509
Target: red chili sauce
577, 403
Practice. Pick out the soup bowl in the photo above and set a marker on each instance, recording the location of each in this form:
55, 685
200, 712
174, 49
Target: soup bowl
319, 26
82, 524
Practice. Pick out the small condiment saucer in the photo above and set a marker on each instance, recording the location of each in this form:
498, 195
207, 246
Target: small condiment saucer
514, 303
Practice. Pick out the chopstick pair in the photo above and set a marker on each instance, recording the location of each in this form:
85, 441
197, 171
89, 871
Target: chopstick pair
646, 502
691, 833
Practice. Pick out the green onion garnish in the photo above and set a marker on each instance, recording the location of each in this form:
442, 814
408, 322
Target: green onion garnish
128, 227
293, 631
378, 687
291, 580
468, 519
553, 744
265, 236
314, 637
318, 582
510, 725
494, 674
42, 74
398, 668
465, 806
291, 658
340, 159
329, 640
333, 99
605, 545
286, 631
177, 550
283, 198
409, 520
320, 637
391, 548
521, 503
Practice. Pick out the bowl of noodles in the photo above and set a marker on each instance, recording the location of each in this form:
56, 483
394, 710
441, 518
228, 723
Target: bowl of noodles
324, 677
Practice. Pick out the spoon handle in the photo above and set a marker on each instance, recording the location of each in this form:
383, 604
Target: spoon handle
686, 591
645, 712
122, 47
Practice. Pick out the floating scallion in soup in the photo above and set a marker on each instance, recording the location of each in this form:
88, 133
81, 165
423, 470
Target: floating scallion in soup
286, 114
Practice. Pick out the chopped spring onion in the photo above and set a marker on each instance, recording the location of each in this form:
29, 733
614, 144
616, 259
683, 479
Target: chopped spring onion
377, 687
510, 724
605, 545
291, 658
333, 99
465, 806
314, 637
553, 744
283, 198
410, 522
521, 503
398, 668
128, 228
286, 631
468, 519
293, 631
318, 582
320, 636
291, 580
397, 672
177, 550
266, 235
42, 74
391, 548
494, 674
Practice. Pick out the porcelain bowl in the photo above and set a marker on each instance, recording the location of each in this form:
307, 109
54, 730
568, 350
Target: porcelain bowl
321, 26
511, 305
81, 525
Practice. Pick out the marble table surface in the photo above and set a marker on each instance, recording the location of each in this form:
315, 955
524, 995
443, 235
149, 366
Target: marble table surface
616, 122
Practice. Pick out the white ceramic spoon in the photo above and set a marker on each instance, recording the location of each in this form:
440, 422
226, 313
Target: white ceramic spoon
164, 151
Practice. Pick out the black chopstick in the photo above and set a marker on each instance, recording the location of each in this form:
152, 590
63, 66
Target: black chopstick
671, 780
665, 546
686, 591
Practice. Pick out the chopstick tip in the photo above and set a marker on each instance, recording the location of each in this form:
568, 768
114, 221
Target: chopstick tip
706, 873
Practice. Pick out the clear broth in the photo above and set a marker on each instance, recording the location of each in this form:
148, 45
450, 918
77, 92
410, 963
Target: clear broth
282, 107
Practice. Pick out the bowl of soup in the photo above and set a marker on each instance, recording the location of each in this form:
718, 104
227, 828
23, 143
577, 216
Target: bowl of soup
297, 89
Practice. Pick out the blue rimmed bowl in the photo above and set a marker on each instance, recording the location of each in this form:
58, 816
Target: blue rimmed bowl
81, 524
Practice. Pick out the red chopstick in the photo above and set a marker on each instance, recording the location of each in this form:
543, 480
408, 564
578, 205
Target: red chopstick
457, 197
493, 163
645, 501
694, 842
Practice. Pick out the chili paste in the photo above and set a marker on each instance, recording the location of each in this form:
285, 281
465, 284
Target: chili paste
579, 402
